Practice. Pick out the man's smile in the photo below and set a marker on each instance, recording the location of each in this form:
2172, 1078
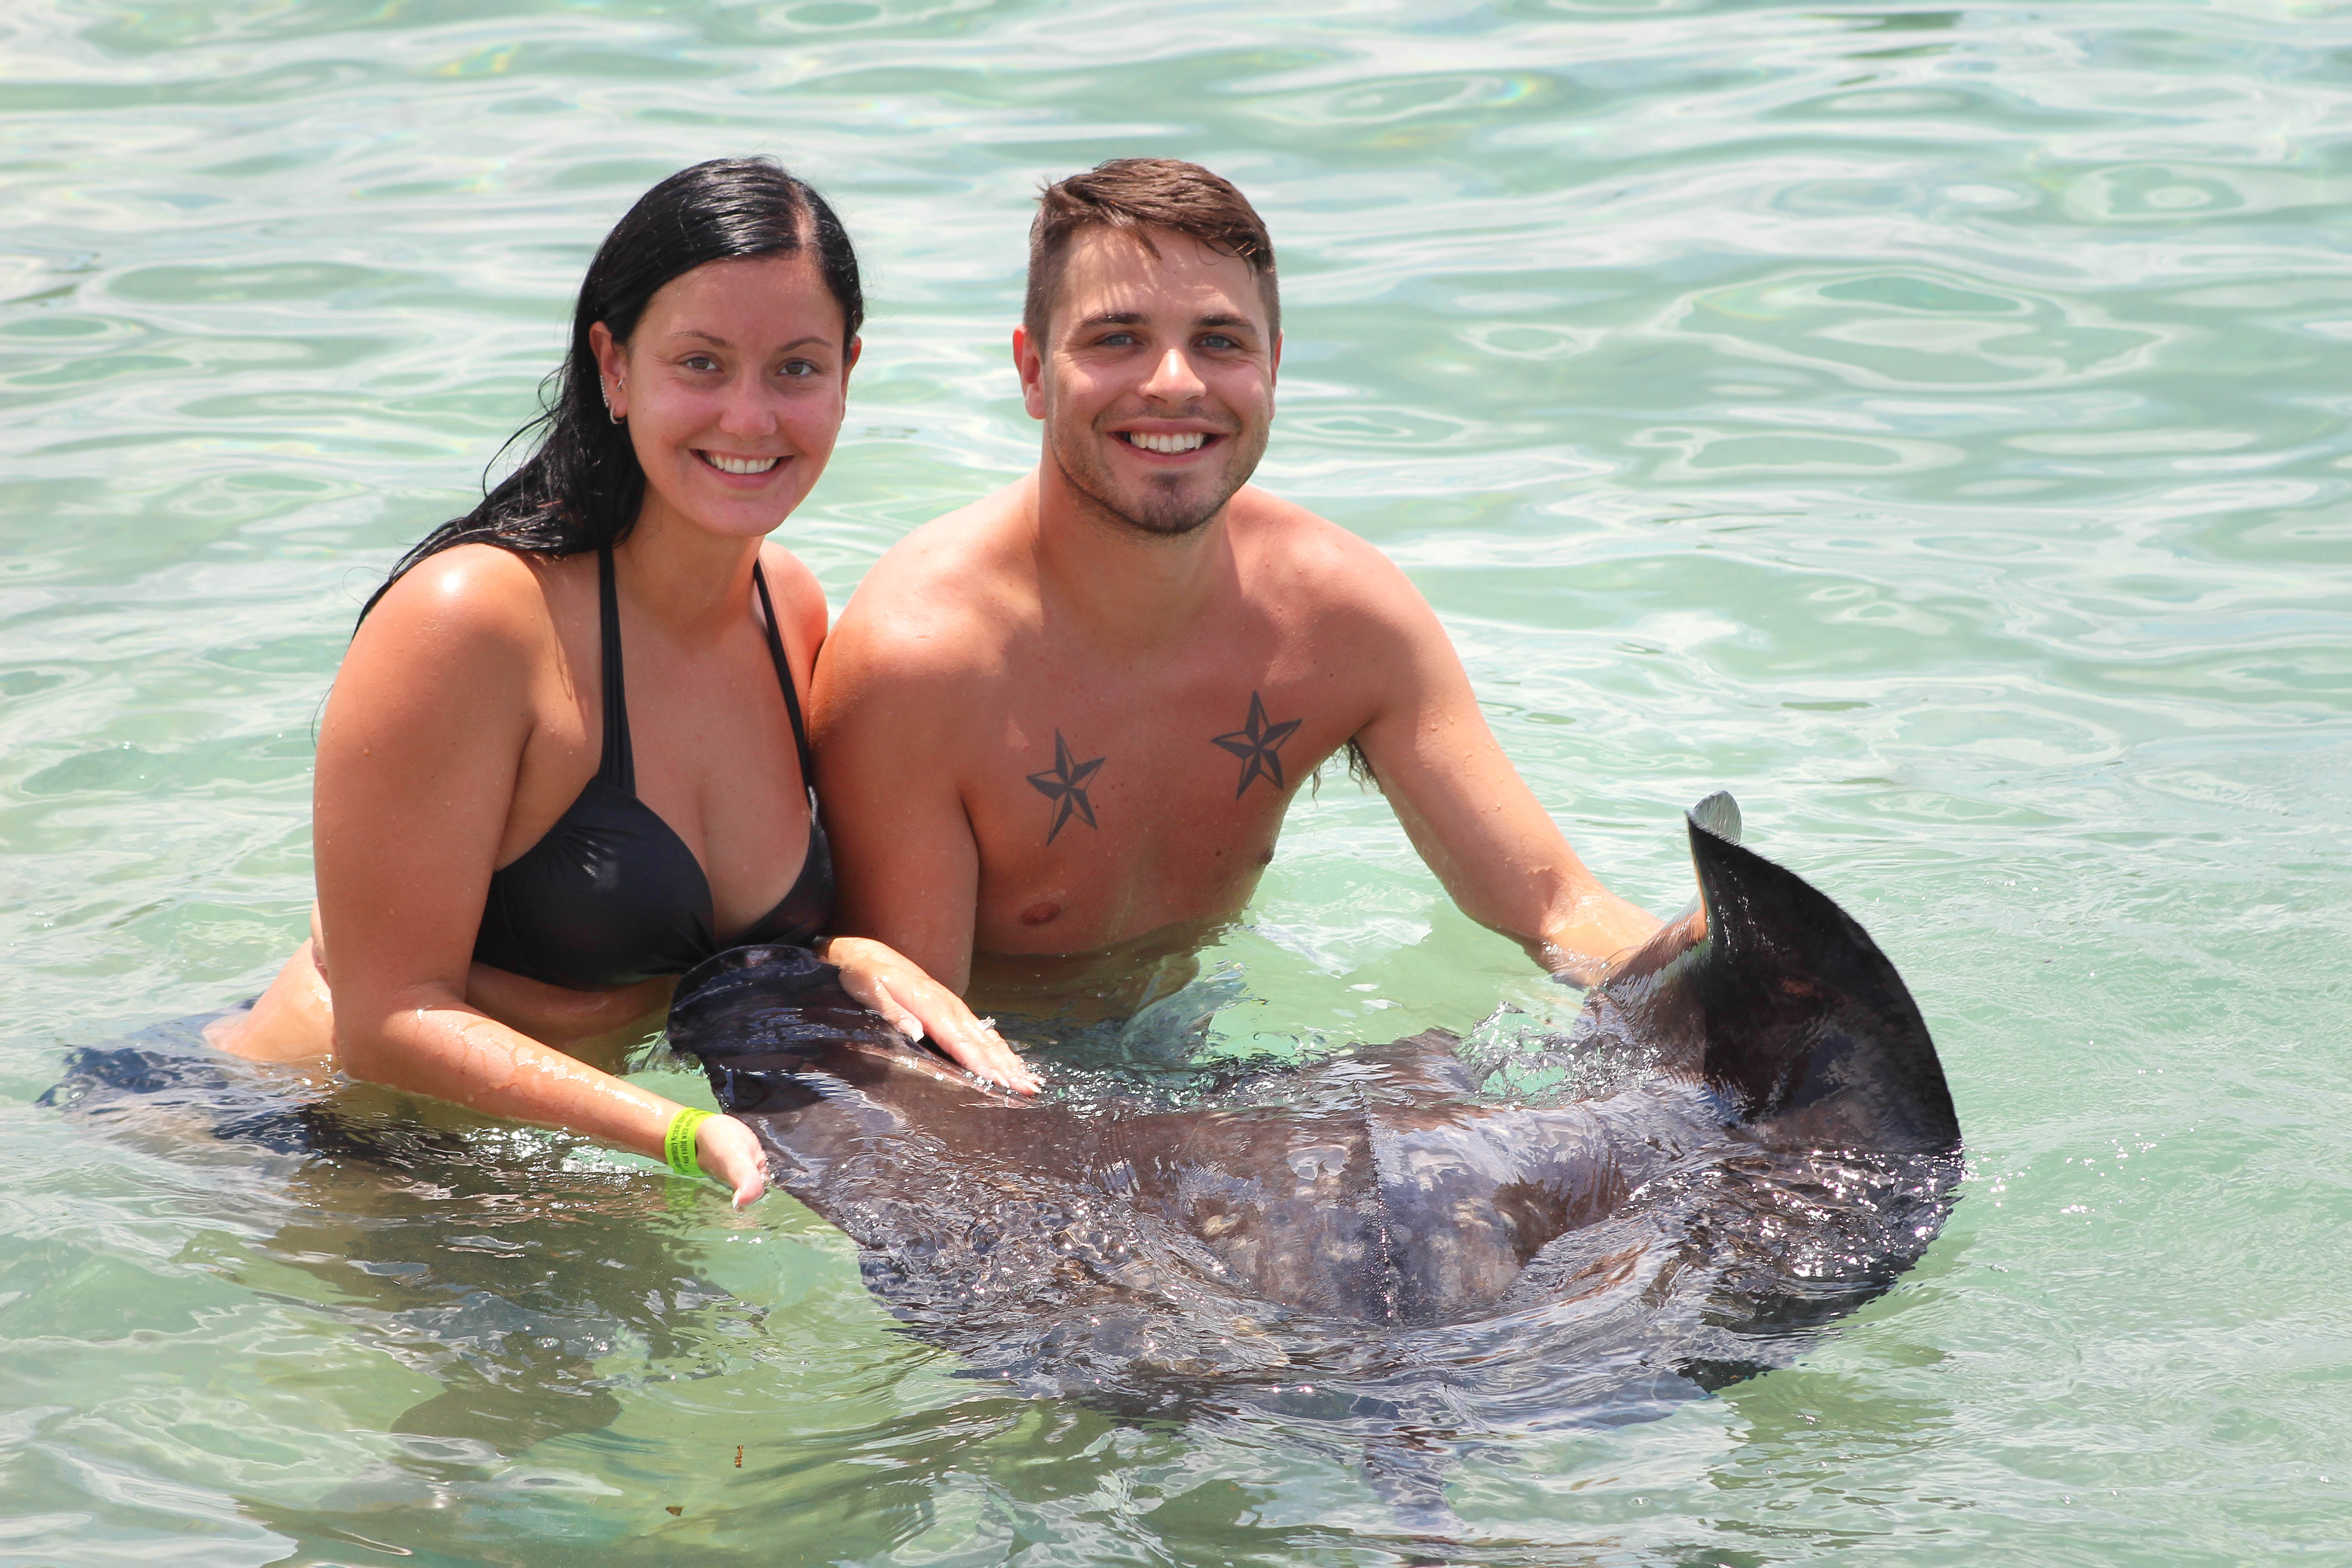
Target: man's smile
1169, 443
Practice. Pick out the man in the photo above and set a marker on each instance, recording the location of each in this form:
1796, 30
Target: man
1072, 715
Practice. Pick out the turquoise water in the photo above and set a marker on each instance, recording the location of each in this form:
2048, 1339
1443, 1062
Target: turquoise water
1925, 424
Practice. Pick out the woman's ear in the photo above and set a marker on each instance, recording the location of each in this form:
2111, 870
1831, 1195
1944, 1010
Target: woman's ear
610, 361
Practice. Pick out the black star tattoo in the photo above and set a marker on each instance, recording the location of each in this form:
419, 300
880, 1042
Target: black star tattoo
1256, 744
1065, 785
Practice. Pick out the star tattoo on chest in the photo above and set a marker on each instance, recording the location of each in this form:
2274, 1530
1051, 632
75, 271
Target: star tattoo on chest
1258, 744
1064, 784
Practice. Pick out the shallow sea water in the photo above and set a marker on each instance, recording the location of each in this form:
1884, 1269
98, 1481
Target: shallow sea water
1925, 423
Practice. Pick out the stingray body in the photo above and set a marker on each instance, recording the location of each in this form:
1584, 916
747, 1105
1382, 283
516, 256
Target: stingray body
1377, 1242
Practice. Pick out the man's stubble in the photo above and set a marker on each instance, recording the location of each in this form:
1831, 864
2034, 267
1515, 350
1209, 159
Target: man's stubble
1174, 518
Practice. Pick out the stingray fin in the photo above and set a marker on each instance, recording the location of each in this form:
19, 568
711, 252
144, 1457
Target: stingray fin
1808, 1026
1785, 1009
1718, 814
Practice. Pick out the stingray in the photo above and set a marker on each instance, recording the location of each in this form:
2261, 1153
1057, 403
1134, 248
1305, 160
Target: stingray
1393, 1255
1385, 1248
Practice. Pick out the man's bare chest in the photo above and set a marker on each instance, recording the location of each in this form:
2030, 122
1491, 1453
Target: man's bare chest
1103, 813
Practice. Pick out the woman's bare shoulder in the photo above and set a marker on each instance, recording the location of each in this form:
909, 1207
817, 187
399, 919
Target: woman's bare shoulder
474, 613
480, 591
799, 597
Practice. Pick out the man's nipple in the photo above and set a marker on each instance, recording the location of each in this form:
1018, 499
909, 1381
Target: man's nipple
1038, 914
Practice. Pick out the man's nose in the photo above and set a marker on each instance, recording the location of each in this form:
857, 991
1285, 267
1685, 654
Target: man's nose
1172, 379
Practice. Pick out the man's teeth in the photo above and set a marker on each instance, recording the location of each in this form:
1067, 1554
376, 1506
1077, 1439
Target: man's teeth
727, 464
1187, 441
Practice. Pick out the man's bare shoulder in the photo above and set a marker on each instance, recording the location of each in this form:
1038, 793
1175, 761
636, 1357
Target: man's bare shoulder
1291, 554
938, 604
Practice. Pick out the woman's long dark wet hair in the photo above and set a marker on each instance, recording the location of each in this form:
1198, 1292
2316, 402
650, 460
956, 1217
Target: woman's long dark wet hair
581, 487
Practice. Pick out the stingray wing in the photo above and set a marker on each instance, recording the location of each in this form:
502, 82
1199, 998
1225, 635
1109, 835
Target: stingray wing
1787, 1008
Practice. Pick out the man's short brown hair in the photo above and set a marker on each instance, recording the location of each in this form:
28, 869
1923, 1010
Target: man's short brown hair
1137, 194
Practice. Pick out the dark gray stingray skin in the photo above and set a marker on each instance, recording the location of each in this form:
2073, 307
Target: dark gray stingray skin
1373, 1242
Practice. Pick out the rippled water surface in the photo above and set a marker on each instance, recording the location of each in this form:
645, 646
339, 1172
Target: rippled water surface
1925, 423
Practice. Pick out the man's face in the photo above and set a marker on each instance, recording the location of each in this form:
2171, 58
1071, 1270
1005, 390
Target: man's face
1156, 380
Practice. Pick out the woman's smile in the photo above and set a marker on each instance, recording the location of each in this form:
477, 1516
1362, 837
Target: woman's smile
725, 464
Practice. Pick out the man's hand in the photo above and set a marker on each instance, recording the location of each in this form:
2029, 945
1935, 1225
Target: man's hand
1580, 969
1602, 932
918, 1006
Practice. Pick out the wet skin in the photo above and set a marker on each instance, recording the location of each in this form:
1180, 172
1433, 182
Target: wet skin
1075, 713
467, 718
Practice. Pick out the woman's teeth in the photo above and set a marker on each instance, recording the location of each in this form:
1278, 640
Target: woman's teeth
727, 464
1187, 441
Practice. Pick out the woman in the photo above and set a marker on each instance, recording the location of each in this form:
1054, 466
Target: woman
521, 836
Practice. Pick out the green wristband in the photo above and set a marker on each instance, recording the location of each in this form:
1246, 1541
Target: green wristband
677, 1147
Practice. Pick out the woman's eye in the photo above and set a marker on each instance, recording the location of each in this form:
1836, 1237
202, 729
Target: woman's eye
700, 362
800, 368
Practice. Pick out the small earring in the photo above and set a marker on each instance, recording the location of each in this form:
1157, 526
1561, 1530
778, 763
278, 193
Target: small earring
608, 400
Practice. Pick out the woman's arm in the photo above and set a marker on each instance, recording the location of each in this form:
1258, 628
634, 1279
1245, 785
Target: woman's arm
419, 754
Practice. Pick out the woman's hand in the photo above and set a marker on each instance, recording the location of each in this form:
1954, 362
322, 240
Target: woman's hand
917, 1006
729, 1150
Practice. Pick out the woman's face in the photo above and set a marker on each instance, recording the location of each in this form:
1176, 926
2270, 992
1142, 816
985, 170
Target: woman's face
734, 386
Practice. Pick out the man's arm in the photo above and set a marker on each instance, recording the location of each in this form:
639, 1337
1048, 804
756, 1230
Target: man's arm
1466, 808
908, 865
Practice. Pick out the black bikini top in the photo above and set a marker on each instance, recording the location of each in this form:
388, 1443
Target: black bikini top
611, 895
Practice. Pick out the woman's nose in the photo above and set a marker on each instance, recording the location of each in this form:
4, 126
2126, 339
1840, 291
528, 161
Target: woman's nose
750, 408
